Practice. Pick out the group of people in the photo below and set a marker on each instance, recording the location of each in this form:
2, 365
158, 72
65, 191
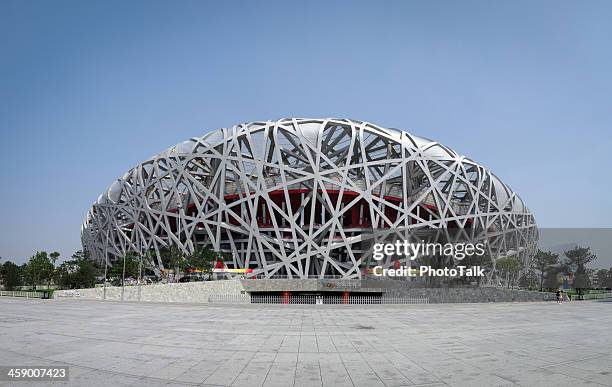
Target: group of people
561, 295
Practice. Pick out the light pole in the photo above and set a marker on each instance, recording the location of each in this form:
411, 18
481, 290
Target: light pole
123, 277
180, 209
140, 274
105, 262
105, 271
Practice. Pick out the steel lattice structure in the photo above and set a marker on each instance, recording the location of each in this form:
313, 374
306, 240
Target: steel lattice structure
295, 196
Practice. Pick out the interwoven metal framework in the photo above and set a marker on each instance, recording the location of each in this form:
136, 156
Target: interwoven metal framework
294, 197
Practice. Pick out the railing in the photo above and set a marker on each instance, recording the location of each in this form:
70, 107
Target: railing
20, 293
278, 299
336, 300
592, 296
229, 299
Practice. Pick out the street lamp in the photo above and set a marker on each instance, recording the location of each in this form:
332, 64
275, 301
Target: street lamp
180, 209
123, 276
140, 272
105, 262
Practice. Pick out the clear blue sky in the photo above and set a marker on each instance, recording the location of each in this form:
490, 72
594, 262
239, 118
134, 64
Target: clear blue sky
89, 89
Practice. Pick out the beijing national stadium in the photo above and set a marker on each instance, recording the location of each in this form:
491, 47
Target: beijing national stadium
297, 198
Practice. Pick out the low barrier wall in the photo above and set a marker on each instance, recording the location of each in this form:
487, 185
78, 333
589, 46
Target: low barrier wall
233, 291
190, 292
307, 285
467, 295
20, 293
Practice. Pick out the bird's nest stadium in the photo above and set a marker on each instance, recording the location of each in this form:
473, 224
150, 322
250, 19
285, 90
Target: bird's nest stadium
296, 198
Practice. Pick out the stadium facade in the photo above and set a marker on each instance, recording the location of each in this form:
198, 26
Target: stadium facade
296, 198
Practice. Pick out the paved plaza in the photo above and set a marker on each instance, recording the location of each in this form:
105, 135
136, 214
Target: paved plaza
114, 344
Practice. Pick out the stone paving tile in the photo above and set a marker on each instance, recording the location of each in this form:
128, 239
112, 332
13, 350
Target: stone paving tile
203, 369
281, 374
256, 371
308, 344
308, 372
359, 370
411, 370
290, 343
333, 372
325, 343
602, 377
230, 369
112, 343
272, 343
343, 344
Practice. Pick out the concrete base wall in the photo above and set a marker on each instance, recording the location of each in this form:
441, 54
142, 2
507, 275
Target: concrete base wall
305, 285
199, 292
459, 295
191, 292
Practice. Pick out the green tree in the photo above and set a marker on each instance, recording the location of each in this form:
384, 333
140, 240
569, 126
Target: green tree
601, 276
552, 281
53, 258
581, 279
511, 267
530, 280
544, 262
483, 260
608, 281
63, 275
203, 259
77, 273
39, 269
579, 256
11, 275
148, 264
172, 257
132, 266
24, 273
577, 260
